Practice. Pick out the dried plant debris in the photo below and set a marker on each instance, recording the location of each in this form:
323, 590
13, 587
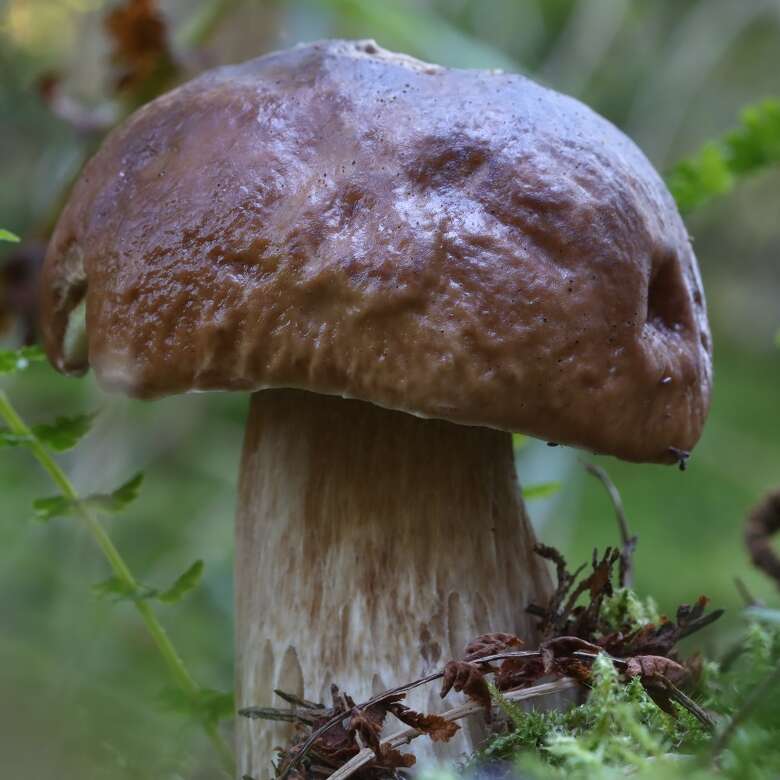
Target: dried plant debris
564, 615
343, 730
614, 631
468, 678
643, 649
435, 726
588, 618
491, 644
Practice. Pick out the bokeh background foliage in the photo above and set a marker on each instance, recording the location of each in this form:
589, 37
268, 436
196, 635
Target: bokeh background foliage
80, 680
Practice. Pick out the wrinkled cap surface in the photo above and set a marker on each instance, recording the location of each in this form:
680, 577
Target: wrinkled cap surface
465, 245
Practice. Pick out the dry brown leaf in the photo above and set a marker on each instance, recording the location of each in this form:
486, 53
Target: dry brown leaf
368, 727
437, 728
395, 759
519, 673
336, 746
491, 644
467, 678
562, 646
573, 667
648, 666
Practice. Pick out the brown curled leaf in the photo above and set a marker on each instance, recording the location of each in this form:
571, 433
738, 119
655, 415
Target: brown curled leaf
467, 678
336, 746
395, 759
648, 667
562, 646
519, 673
573, 667
491, 644
566, 645
437, 728
369, 727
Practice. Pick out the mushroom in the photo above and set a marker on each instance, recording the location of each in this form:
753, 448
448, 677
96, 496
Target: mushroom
402, 263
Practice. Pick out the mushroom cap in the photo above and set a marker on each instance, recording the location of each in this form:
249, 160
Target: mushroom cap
457, 244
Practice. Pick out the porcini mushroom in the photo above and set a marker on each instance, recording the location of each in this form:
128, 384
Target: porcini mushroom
402, 263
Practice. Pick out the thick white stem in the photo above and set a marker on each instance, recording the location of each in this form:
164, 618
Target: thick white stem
371, 547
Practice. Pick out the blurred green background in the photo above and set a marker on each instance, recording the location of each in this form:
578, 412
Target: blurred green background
79, 678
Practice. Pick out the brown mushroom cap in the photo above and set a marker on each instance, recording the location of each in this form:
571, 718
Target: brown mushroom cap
457, 244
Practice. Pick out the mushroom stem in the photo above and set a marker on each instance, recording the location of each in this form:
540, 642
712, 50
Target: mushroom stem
371, 547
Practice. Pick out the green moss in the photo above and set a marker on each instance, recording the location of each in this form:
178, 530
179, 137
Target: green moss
619, 730
624, 607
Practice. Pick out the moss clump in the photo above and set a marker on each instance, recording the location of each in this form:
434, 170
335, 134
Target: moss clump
619, 731
624, 607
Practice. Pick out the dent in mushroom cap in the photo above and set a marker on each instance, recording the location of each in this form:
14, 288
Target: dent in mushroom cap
457, 244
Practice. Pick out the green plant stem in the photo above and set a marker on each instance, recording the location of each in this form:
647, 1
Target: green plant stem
170, 655
195, 34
